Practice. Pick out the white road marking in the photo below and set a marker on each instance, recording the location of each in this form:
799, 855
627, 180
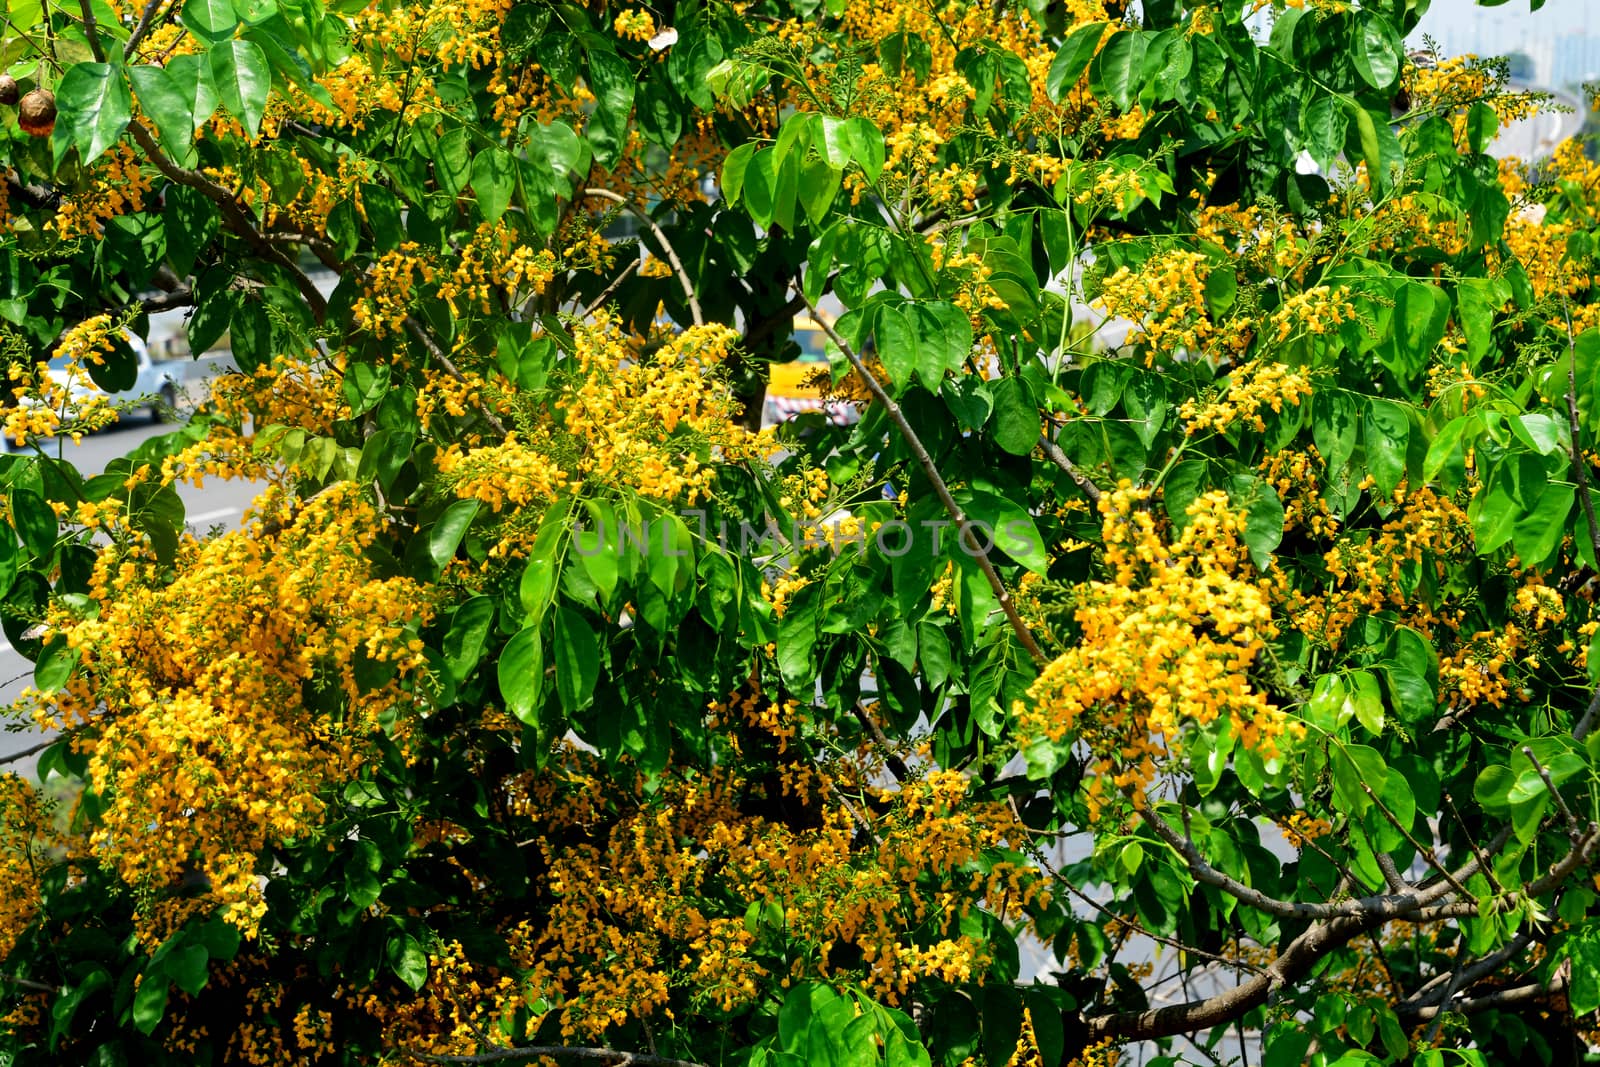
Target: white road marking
207, 516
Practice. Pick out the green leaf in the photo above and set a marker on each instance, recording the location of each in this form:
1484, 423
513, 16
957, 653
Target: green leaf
866, 147
1492, 789
1386, 434
168, 106
150, 1003
944, 340
468, 635
408, 961
1355, 766
537, 588
187, 967
1537, 534
365, 385
448, 530
494, 179
1365, 700
1016, 420
1008, 525
94, 107
1482, 124
819, 184
1115, 73
520, 672
243, 81
1145, 400
897, 345
733, 171
1263, 528
1378, 50
1073, 59
213, 21
577, 660
611, 82
1323, 124
35, 520
55, 665
452, 159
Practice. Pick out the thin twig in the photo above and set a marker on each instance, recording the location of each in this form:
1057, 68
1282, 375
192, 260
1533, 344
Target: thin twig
1059, 458
974, 549
666, 246
1574, 827
142, 27
605, 295
896, 765
600, 1057
25, 753
418, 331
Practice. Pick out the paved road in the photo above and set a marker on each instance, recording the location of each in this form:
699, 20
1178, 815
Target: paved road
218, 504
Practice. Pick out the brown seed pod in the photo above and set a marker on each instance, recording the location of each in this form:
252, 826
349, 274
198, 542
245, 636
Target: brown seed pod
37, 113
8, 89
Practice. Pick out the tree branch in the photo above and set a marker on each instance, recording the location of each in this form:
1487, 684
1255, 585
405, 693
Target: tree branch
417, 330
142, 27
666, 246
975, 550
600, 1057
238, 219
1503, 998
1059, 458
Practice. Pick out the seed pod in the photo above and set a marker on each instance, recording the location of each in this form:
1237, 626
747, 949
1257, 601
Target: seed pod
8, 89
37, 113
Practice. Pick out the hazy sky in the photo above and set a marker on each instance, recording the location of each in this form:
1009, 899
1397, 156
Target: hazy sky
1510, 21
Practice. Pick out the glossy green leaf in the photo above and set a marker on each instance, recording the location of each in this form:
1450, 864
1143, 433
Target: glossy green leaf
1073, 59
520, 673
577, 659
94, 107
448, 530
243, 81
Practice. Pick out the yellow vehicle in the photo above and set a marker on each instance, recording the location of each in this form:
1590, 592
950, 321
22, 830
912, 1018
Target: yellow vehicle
789, 391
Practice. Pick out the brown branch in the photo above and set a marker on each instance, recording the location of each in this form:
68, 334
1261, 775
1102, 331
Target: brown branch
238, 219
417, 330
600, 1057
32, 751
1297, 960
1059, 458
1500, 999
607, 292
1580, 466
976, 551
142, 27
896, 765
666, 246
1431, 994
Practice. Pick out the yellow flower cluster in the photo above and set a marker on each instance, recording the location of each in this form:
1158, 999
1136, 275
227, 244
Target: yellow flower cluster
611, 421
1254, 386
1318, 310
63, 400
191, 692
637, 25
1297, 478
27, 838
1165, 299
116, 185
495, 259
390, 287
1166, 645
1378, 571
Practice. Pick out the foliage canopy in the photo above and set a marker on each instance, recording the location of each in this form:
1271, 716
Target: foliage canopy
545, 704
